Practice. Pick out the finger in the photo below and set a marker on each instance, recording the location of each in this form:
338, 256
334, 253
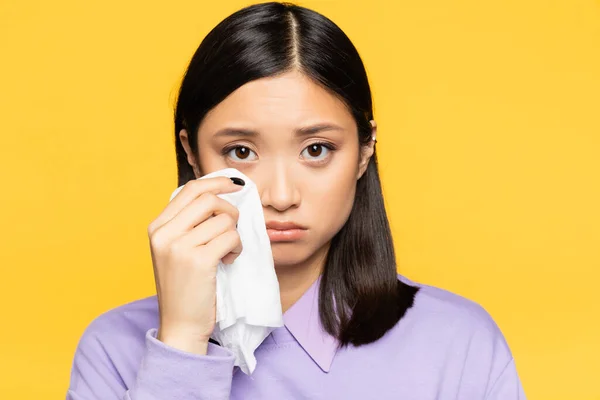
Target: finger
198, 212
190, 191
225, 243
207, 231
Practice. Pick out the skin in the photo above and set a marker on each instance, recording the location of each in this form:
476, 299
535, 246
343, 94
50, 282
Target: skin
309, 185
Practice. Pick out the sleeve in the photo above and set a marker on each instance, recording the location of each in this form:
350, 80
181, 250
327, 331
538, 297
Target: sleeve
164, 373
508, 385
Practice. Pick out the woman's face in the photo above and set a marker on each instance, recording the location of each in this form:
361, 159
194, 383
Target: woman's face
299, 144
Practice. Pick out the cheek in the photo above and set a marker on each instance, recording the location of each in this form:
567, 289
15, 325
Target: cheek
331, 203
209, 160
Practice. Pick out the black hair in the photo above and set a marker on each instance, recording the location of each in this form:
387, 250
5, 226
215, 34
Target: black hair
269, 39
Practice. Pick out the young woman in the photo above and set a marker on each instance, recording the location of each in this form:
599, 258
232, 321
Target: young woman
280, 93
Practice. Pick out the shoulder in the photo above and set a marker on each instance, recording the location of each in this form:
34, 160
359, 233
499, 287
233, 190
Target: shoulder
114, 343
461, 321
111, 348
434, 301
128, 320
458, 338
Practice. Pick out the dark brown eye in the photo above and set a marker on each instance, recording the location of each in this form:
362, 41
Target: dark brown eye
315, 150
242, 152
239, 153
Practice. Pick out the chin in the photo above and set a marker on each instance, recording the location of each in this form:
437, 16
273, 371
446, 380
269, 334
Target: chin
286, 254
295, 254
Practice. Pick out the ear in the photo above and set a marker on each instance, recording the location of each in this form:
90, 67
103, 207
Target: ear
366, 151
183, 136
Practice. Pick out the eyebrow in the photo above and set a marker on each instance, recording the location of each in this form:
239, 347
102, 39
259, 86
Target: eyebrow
303, 131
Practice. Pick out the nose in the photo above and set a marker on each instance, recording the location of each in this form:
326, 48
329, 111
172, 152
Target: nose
279, 188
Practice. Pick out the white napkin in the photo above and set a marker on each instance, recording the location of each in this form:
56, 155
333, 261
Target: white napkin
248, 302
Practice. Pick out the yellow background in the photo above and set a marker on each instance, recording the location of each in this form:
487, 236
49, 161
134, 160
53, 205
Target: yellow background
489, 124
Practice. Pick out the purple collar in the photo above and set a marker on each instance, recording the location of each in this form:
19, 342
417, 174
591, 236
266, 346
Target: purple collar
303, 322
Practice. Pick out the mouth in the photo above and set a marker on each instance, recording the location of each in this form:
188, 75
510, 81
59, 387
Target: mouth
283, 225
287, 235
285, 231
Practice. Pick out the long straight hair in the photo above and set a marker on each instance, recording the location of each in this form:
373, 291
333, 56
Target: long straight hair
360, 295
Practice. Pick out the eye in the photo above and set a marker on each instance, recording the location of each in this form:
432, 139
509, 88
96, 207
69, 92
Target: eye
318, 151
241, 152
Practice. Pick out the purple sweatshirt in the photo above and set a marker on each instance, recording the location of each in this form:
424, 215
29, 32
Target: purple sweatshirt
446, 347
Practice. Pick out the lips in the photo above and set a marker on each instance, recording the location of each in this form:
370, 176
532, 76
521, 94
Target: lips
283, 225
285, 231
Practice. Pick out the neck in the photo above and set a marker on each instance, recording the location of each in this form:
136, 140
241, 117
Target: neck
295, 279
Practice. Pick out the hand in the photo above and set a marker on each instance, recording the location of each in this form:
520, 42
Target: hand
194, 232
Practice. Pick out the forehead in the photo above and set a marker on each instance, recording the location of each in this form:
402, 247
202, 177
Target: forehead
282, 102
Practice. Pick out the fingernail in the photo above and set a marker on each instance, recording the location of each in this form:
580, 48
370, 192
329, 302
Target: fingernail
238, 181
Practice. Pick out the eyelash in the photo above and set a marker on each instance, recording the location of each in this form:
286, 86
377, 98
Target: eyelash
328, 146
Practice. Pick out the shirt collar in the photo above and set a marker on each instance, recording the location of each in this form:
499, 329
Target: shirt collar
303, 322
